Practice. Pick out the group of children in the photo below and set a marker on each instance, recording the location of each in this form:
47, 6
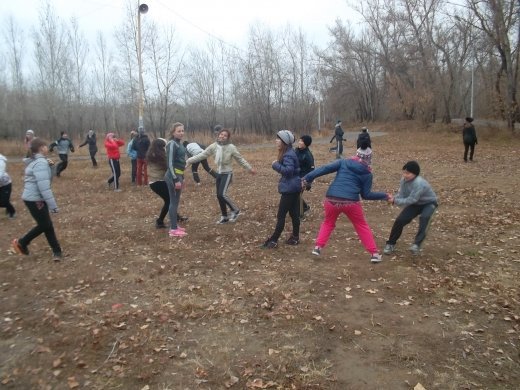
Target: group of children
167, 161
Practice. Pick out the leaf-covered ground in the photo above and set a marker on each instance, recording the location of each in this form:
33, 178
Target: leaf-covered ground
131, 308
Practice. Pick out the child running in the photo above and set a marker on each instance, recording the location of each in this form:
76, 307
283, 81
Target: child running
39, 199
5, 188
353, 179
289, 186
224, 152
64, 145
174, 177
306, 160
92, 146
417, 197
112, 145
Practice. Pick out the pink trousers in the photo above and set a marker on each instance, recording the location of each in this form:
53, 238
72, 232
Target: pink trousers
354, 212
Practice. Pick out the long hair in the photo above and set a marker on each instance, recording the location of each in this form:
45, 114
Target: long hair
282, 151
35, 146
157, 154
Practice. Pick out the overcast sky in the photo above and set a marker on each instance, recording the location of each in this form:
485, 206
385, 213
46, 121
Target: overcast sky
194, 20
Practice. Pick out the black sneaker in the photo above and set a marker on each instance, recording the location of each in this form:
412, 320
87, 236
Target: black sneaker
160, 224
293, 240
19, 248
57, 256
269, 244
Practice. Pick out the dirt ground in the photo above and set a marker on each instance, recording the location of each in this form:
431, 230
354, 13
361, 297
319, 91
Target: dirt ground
131, 308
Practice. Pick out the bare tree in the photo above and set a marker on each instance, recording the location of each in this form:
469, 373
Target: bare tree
79, 51
499, 20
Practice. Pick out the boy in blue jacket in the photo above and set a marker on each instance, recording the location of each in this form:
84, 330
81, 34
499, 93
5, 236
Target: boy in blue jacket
353, 180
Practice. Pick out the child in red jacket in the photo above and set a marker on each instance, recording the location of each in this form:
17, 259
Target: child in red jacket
112, 146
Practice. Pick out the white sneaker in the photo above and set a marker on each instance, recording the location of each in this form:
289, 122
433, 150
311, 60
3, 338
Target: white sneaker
234, 216
415, 249
376, 258
222, 220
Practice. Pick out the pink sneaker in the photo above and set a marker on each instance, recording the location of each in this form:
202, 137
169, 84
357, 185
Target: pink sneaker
181, 228
177, 233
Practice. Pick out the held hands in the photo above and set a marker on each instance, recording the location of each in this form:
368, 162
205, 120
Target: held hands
178, 185
390, 198
306, 186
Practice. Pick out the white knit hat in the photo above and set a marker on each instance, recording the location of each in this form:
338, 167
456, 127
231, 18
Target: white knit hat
365, 155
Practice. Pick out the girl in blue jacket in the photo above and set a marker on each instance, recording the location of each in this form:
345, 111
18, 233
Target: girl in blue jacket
289, 187
353, 180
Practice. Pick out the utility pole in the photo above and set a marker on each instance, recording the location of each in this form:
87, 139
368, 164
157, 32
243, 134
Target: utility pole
142, 9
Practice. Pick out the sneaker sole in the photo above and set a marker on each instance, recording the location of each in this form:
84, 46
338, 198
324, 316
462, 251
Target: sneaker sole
17, 248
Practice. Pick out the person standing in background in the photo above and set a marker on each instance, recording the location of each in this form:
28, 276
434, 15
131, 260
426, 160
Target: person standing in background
112, 145
29, 135
5, 188
141, 144
338, 136
92, 146
469, 137
63, 144
132, 155
364, 138
39, 199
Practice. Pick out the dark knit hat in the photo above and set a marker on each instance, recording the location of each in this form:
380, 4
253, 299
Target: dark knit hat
469, 119
217, 128
307, 140
412, 167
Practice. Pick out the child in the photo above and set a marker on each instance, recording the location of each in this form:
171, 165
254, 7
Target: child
29, 135
112, 145
192, 149
418, 198
289, 187
64, 144
92, 146
132, 155
364, 138
469, 137
156, 161
174, 177
353, 179
224, 151
141, 144
306, 160
5, 188
39, 199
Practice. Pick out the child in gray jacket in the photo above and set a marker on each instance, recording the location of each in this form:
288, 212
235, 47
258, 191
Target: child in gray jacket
417, 197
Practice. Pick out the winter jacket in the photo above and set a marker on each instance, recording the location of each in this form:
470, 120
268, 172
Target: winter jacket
305, 159
91, 142
364, 139
194, 148
63, 145
140, 145
469, 135
112, 147
338, 134
223, 157
130, 151
289, 168
353, 179
417, 191
176, 160
5, 179
37, 181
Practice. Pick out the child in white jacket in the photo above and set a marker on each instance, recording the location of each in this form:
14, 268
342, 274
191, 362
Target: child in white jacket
5, 188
